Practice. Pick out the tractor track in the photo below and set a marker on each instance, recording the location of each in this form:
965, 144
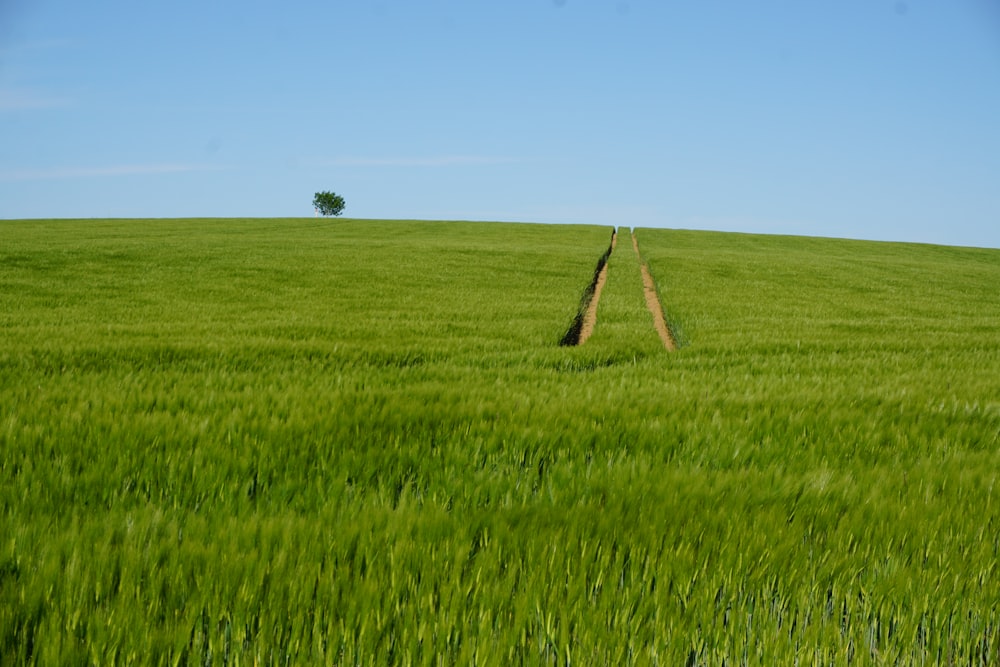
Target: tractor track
586, 317
590, 317
653, 301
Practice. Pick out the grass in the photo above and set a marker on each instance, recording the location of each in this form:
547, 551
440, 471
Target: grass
359, 442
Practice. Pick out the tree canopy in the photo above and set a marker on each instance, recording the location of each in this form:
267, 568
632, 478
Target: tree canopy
329, 203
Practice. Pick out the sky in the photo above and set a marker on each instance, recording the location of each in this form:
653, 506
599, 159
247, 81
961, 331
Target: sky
868, 119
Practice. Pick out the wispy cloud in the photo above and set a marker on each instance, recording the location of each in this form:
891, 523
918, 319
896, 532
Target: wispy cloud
34, 45
18, 93
426, 161
13, 99
58, 173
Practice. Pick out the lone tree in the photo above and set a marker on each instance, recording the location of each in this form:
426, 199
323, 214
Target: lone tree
328, 203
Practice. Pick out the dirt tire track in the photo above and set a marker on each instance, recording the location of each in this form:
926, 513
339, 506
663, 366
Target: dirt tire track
586, 317
653, 301
590, 316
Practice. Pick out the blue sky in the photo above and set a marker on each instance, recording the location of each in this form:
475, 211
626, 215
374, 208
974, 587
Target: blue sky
870, 119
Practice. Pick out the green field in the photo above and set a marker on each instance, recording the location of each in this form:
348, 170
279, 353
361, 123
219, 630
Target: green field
271, 442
